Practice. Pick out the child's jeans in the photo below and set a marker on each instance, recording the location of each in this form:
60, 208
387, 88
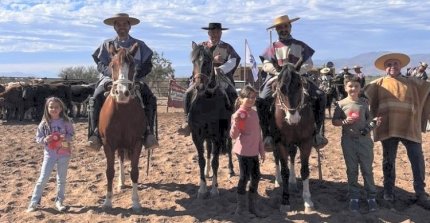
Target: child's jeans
49, 161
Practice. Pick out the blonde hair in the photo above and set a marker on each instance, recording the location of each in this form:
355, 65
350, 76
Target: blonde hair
245, 92
63, 114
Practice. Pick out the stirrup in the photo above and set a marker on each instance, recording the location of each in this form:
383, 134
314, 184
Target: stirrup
319, 141
150, 142
94, 143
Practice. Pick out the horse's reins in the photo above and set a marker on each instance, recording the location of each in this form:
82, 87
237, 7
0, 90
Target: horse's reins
283, 101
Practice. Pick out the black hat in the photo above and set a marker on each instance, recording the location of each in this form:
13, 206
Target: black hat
214, 25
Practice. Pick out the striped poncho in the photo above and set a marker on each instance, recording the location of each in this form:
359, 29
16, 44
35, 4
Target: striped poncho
404, 105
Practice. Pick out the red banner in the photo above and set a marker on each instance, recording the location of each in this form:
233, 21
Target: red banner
176, 95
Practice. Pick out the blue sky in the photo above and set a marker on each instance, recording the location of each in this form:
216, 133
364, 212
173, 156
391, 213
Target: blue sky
42, 37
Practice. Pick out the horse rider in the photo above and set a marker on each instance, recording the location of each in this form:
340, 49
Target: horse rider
225, 62
359, 74
325, 80
418, 72
283, 51
122, 23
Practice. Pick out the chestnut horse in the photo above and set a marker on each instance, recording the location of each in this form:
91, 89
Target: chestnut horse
122, 121
209, 117
295, 125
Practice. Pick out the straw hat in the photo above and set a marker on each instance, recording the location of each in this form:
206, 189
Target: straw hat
403, 58
424, 64
214, 25
121, 16
325, 70
282, 20
345, 68
357, 67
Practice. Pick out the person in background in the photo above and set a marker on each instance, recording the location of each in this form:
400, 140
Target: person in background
288, 50
225, 62
404, 106
360, 75
122, 24
418, 72
248, 144
55, 132
352, 113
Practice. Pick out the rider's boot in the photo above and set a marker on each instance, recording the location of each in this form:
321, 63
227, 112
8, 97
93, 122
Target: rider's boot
94, 107
185, 128
263, 109
319, 140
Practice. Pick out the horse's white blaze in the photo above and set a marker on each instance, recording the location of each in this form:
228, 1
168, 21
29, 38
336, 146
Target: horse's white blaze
292, 179
307, 194
121, 177
292, 119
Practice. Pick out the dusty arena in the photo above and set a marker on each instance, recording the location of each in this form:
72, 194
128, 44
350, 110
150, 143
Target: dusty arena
168, 193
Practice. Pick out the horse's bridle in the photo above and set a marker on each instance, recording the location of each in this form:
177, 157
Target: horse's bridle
284, 103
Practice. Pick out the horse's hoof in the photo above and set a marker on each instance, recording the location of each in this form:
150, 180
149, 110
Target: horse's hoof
203, 195
285, 209
137, 209
106, 207
215, 193
309, 209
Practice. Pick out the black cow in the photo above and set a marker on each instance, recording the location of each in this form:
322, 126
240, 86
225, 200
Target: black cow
80, 95
36, 96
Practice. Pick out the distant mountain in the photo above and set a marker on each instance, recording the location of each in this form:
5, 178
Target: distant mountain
366, 60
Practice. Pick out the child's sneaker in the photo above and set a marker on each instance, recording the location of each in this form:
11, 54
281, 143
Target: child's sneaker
32, 207
354, 206
373, 206
60, 207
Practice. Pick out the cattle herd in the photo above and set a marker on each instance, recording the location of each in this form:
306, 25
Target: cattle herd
25, 100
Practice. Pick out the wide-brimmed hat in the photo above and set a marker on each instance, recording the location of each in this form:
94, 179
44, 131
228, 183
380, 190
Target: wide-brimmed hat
282, 20
345, 68
424, 64
325, 70
403, 58
214, 25
357, 67
121, 16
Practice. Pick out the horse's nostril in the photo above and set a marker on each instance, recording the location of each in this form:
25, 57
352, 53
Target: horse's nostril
127, 93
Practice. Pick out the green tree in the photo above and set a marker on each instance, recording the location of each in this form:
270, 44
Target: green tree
161, 70
88, 73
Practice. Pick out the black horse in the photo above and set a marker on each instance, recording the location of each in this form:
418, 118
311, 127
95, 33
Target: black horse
294, 121
209, 117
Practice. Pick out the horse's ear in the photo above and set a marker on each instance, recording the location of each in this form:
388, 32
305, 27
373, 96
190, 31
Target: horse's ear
134, 48
193, 45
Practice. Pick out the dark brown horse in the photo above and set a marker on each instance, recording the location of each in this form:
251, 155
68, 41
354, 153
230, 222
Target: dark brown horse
295, 125
209, 117
122, 121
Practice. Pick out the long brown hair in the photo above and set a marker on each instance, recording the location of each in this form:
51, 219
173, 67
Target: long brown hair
245, 92
47, 118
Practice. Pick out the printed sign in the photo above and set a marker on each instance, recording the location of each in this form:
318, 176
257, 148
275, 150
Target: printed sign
176, 95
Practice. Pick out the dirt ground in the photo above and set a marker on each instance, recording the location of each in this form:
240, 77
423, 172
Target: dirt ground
168, 193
